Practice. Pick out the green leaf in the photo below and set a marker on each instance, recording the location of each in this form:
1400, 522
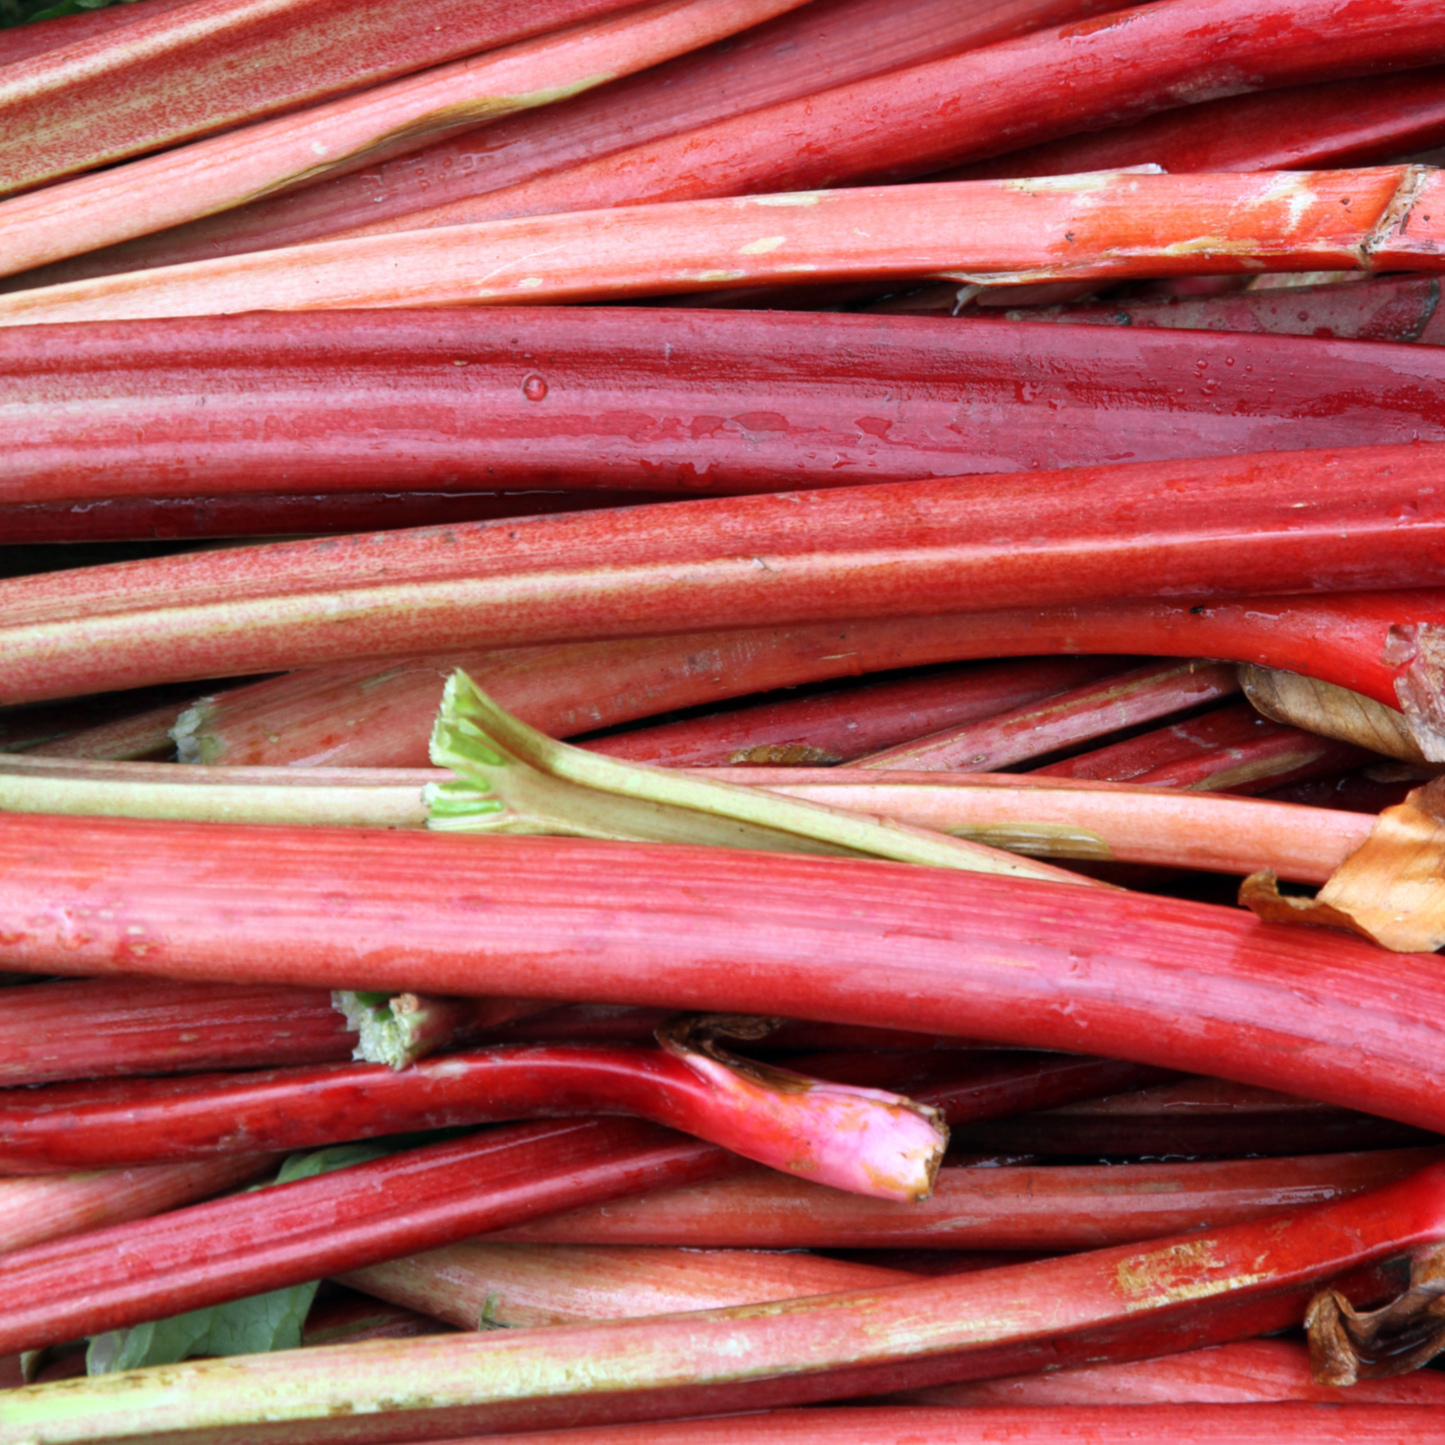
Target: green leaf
19, 12
252, 1326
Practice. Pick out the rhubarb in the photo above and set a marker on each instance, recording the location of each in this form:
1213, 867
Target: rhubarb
820, 46
651, 403
1207, 529
1109, 225
850, 1137
1174, 1293
512, 779
1182, 985
1054, 1208
1079, 715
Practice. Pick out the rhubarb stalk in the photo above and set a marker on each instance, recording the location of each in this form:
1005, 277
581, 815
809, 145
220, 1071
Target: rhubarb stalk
1144, 1299
1207, 529
1107, 225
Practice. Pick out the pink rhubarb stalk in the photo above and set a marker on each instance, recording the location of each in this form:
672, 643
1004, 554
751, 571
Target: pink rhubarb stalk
33, 1211
1027, 813
1182, 985
1234, 750
820, 46
179, 72
288, 1234
847, 722
479, 1284
1249, 1372
647, 402
1133, 1301
347, 133
1075, 77
1065, 720
1110, 225
853, 1138
1209, 530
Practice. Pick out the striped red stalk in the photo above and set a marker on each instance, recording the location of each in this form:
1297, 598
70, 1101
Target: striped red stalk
34, 1211
344, 133
1076, 76
822, 45
1113, 226
1232, 750
34, 37
648, 402
1383, 644
1182, 985
1312, 127
1365, 1424
1053, 1208
1065, 720
1207, 529
1383, 308
271, 514
1196, 1117
1142, 1300
79, 1030
291, 1233
179, 72
847, 722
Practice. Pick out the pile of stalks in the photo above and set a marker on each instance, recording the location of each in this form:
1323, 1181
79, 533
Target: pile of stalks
722, 721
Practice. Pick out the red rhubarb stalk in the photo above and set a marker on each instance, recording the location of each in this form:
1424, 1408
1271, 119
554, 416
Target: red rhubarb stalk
1075, 77
1054, 1208
33, 1211
1386, 645
1311, 127
1065, 720
1232, 750
291, 1233
73, 1030
1385, 308
1110, 225
850, 1137
1182, 985
345, 134
1133, 1301
1248, 1372
1208, 530
825, 44
847, 722
272, 514
1364, 1424
1192, 1118
177, 72
649, 402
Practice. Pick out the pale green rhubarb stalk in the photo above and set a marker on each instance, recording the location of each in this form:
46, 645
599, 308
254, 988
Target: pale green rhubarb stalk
513, 779
1105, 225
1023, 813
357, 130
